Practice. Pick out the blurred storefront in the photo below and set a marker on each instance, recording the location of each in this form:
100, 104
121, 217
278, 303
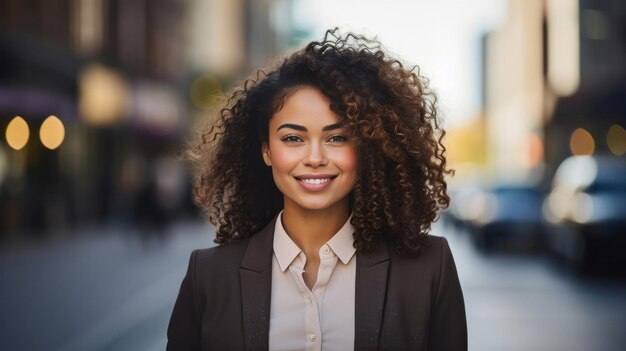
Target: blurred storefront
589, 100
554, 71
116, 85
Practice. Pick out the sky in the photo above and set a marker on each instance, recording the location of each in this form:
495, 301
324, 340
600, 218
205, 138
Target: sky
440, 36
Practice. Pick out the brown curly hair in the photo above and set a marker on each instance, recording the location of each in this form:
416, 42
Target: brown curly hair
388, 109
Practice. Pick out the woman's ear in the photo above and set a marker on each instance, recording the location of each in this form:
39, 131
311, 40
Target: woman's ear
265, 149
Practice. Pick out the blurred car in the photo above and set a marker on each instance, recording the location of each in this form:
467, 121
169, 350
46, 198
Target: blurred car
461, 210
507, 216
586, 209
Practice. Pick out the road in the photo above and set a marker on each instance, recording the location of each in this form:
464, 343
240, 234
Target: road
106, 290
525, 302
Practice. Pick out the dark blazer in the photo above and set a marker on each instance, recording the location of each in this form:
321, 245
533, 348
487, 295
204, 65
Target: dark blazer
401, 303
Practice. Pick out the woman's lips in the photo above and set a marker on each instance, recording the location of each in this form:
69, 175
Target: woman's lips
315, 184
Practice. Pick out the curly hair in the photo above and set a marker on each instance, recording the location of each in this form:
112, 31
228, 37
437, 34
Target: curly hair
390, 112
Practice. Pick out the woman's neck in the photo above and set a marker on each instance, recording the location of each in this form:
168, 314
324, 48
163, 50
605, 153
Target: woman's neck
310, 229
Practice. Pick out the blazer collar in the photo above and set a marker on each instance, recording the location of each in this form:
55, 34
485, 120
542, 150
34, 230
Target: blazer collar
258, 256
255, 273
371, 288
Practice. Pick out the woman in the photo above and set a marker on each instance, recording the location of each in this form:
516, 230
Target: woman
322, 179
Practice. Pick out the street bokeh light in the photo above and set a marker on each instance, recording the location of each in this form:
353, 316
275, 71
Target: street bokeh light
52, 132
205, 91
582, 142
103, 95
17, 133
616, 140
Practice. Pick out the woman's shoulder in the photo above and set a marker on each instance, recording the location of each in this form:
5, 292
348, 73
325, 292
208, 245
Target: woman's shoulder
253, 250
434, 267
435, 253
431, 246
435, 245
221, 254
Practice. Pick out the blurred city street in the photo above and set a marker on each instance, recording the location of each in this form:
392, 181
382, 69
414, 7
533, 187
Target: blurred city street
527, 302
108, 290
101, 100
101, 290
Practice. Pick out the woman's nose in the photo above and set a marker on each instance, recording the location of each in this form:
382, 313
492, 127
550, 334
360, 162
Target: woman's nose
316, 156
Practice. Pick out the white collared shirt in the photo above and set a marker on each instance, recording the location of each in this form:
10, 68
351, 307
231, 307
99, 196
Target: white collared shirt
320, 318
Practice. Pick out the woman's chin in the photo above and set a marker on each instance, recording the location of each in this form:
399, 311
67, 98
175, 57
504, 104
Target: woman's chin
319, 205
314, 206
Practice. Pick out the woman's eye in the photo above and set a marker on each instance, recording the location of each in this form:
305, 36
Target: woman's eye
291, 139
337, 139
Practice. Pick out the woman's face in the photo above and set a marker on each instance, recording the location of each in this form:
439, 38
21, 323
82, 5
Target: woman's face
313, 159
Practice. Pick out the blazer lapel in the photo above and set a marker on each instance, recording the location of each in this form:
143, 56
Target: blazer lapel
371, 287
255, 273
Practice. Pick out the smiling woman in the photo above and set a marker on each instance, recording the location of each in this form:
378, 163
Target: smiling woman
322, 178
314, 164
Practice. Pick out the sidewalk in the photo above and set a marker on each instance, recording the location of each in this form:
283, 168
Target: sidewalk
87, 292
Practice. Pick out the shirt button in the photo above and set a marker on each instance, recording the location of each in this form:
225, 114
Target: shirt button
312, 338
307, 300
326, 251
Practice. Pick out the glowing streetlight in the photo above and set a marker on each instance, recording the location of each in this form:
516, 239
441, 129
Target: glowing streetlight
616, 140
581, 142
17, 133
52, 132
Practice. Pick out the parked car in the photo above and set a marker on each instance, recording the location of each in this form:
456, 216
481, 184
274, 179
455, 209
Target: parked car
508, 216
462, 210
586, 209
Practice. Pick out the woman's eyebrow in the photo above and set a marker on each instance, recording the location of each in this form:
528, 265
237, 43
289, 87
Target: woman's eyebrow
303, 128
292, 126
332, 127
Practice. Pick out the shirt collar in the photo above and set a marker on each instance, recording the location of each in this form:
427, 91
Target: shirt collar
342, 244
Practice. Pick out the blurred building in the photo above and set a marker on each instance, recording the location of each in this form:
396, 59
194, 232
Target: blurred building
514, 91
95, 94
554, 70
588, 107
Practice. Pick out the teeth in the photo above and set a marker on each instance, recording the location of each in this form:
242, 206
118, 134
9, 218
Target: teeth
316, 181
